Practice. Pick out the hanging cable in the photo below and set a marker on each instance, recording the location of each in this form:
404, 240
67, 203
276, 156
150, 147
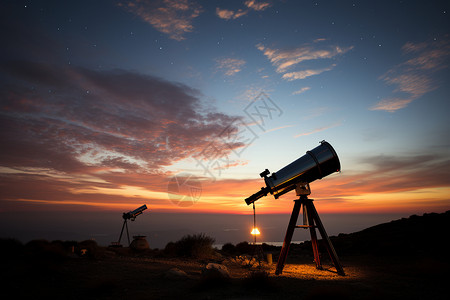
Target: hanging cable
254, 222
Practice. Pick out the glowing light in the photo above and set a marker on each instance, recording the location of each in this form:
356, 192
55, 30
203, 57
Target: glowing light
255, 231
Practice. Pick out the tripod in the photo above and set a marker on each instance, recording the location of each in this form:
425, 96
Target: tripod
121, 232
312, 221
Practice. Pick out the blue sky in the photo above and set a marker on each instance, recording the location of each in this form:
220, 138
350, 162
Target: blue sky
104, 103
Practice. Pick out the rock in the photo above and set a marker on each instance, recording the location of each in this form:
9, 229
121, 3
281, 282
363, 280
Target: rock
175, 273
139, 243
215, 271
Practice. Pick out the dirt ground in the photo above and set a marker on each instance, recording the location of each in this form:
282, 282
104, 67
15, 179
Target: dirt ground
119, 277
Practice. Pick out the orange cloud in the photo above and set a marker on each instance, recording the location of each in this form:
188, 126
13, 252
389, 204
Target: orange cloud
305, 73
284, 59
229, 14
251, 5
391, 104
255, 5
302, 90
230, 66
172, 17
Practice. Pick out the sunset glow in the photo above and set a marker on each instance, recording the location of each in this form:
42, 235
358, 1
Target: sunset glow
180, 105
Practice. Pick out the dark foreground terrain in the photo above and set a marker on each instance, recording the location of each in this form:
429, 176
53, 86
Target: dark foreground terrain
403, 259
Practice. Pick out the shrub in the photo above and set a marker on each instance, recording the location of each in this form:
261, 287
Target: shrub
170, 249
89, 248
229, 248
244, 248
196, 246
43, 249
10, 248
261, 281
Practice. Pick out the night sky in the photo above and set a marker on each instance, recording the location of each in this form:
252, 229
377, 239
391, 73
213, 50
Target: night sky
179, 105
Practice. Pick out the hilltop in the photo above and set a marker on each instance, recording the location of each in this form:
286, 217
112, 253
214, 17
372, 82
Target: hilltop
414, 236
402, 259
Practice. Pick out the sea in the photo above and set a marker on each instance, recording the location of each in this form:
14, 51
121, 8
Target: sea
161, 228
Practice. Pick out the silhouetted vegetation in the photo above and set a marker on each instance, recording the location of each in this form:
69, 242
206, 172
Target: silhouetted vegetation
402, 259
195, 246
229, 249
11, 248
259, 280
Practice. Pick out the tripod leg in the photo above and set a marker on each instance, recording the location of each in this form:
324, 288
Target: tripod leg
288, 237
128, 235
121, 232
326, 239
312, 231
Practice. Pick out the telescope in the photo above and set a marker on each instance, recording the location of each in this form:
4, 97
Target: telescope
134, 213
315, 164
131, 215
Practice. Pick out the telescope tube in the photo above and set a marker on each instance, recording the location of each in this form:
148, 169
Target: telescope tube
315, 164
134, 213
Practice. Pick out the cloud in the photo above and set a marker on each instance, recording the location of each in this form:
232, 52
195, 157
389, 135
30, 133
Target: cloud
391, 104
251, 5
305, 73
230, 66
256, 5
172, 17
393, 174
302, 90
76, 119
229, 14
278, 128
414, 77
319, 129
285, 59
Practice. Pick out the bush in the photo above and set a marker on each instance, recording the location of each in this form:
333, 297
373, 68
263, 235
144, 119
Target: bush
244, 248
10, 248
170, 249
196, 246
229, 248
43, 249
260, 281
88, 248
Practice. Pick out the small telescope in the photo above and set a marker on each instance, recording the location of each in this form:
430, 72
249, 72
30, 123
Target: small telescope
315, 164
131, 215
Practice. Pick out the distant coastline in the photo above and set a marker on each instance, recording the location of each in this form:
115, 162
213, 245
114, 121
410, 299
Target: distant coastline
276, 244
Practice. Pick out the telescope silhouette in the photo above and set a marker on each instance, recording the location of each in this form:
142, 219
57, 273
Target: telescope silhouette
131, 215
315, 164
134, 213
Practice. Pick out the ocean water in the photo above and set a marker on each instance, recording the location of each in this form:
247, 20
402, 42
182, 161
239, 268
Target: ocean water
277, 244
161, 228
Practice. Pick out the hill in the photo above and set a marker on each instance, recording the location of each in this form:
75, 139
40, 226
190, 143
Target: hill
402, 259
424, 235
